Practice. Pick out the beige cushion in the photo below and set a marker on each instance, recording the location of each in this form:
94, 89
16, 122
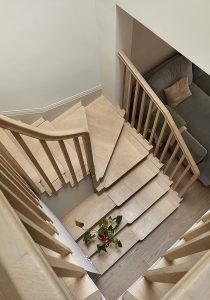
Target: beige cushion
178, 92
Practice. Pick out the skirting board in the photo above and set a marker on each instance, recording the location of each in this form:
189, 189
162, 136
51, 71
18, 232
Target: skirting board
49, 112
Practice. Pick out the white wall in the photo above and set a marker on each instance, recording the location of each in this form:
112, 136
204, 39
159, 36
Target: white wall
48, 51
185, 25
148, 50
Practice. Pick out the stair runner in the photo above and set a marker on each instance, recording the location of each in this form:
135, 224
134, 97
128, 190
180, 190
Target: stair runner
132, 183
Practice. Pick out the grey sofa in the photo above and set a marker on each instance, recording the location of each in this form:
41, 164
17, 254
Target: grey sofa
195, 110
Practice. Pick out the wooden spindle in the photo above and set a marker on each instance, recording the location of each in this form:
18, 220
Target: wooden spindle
176, 184
170, 274
123, 86
135, 102
171, 159
52, 160
80, 156
12, 176
6, 181
160, 138
198, 244
128, 103
68, 161
43, 238
20, 206
141, 112
165, 149
177, 167
187, 185
193, 233
157, 115
147, 119
206, 217
65, 269
28, 152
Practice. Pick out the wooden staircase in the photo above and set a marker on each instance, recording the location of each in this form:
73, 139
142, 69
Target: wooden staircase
133, 174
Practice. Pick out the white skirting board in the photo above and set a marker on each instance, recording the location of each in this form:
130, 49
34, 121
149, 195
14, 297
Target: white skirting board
54, 109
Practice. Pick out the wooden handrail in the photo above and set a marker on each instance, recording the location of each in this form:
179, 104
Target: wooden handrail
153, 98
43, 136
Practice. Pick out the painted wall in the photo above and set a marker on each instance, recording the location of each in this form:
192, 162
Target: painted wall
48, 51
185, 25
148, 50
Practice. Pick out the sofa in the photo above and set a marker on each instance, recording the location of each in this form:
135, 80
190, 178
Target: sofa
195, 110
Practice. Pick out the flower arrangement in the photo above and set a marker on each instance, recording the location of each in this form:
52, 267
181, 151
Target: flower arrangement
105, 233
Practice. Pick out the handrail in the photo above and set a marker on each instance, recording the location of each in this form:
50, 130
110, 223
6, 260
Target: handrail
37, 133
132, 70
21, 129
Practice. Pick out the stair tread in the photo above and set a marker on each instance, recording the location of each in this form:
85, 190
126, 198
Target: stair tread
73, 120
128, 153
155, 215
67, 113
145, 198
17, 154
92, 248
105, 126
90, 211
103, 261
133, 181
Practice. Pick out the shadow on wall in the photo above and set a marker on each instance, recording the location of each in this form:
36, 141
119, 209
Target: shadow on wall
148, 50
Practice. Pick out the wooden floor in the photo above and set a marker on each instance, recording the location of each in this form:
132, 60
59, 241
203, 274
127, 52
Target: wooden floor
135, 262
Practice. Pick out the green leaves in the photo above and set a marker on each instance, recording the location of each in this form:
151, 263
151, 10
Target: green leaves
88, 237
79, 224
105, 233
101, 248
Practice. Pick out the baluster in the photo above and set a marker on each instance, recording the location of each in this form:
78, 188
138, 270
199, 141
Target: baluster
171, 159
135, 104
154, 127
147, 119
166, 147
43, 238
198, 244
176, 184
17, 191
89, 156
177, 167
160, 138
203, 228
19, 205
123, 86
128, 97
68, 161
12, 176
52, 160
65, 269
80, 156
170, 274
19, 169
141, 113
33, 160
187, 185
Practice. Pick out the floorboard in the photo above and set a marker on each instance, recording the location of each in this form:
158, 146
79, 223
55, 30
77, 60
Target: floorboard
136, 261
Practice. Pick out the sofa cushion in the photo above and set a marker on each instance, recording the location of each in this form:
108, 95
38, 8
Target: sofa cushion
169, 74
178, 92
196, 112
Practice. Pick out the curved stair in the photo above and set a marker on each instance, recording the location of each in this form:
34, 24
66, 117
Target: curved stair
132, 183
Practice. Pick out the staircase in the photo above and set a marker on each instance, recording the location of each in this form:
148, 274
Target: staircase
132, 174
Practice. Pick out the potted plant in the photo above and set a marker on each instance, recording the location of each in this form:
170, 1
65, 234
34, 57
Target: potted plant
105, 233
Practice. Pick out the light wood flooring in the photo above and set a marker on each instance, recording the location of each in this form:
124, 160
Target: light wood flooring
139, 258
